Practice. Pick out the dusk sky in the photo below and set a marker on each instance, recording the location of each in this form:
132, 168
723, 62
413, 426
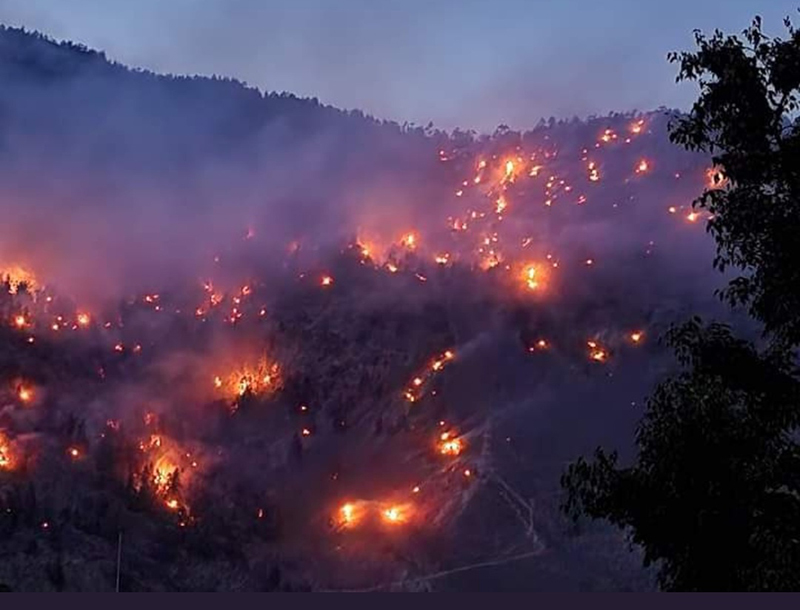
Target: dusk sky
468, 63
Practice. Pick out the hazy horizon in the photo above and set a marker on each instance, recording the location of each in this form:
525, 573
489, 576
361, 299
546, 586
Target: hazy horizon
476, 67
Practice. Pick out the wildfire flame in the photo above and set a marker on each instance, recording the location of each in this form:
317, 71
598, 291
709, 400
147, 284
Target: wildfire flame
16, 276
6, 458
449, 445
715, 179
530, 277
260, 379
396, 514
597, 353
25, 393
409, 240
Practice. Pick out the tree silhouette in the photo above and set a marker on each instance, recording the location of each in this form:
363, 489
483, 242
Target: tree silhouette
744, 119
714, 495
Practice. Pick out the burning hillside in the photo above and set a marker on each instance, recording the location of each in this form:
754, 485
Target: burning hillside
364, 375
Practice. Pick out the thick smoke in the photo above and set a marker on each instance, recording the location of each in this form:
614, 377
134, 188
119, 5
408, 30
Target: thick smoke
288, 305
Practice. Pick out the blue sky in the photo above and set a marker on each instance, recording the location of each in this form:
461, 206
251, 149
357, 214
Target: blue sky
469, 63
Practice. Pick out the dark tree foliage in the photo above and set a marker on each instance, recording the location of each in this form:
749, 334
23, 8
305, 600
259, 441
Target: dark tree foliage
715, 494
745, 117
713, 497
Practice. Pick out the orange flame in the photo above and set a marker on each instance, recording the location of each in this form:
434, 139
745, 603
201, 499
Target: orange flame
25, 393
450, 446
6, 457
409, 240
396, 514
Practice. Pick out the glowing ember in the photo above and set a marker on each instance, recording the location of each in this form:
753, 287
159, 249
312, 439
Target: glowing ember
715, 179
327, 280
6, 461
20, 321
450, 446
305, 432
692, 216
530, 277
395, 514
350, 514
74, 453
347, 511
642, 167
596, 353
25, 393
84, 319
540, 344
637, 336
409, 241
172, 504
608, 136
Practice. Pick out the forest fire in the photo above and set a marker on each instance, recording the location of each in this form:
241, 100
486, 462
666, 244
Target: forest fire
715, 179
530, 277
409, 240
15, 277
449, 444
25, 393
259, 380
596, 352
396, 514
416, 388
359, 327
350, 514
6, 457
